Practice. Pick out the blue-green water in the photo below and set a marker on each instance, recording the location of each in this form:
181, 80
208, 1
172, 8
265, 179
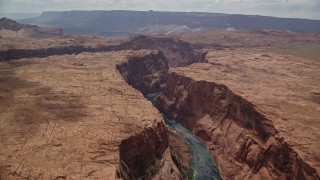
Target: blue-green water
203, 164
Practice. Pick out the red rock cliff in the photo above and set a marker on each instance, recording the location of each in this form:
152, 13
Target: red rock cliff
147, 73
138, 154
244, 142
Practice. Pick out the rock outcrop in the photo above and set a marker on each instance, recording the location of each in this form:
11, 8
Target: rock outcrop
245, 143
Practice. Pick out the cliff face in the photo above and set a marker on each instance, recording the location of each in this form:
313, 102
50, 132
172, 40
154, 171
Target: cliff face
140, 154
146, 73
147, 156
245, 143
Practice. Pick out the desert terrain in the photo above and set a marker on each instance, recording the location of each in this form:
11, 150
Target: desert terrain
75, 107
53, 129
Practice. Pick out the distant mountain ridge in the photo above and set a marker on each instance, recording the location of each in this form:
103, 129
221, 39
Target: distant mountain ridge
9, 24
16, 16
125, 23
10, 28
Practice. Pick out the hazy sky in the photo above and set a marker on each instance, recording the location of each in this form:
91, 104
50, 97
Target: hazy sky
281, 8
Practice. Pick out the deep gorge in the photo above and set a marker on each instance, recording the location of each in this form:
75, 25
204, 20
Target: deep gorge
203, 165
236, 134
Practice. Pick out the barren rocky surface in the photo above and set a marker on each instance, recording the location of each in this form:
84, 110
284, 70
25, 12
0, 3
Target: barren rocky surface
66, 116
284, 88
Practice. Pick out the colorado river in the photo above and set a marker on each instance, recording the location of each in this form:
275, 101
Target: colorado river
203, 164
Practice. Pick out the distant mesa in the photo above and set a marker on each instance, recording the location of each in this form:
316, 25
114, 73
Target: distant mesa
10, 28
121, 23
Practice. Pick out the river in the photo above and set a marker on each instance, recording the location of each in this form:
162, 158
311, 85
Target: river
203, 164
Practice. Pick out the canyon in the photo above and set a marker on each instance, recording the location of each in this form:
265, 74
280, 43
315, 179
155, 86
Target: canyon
76, 108
44, 112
